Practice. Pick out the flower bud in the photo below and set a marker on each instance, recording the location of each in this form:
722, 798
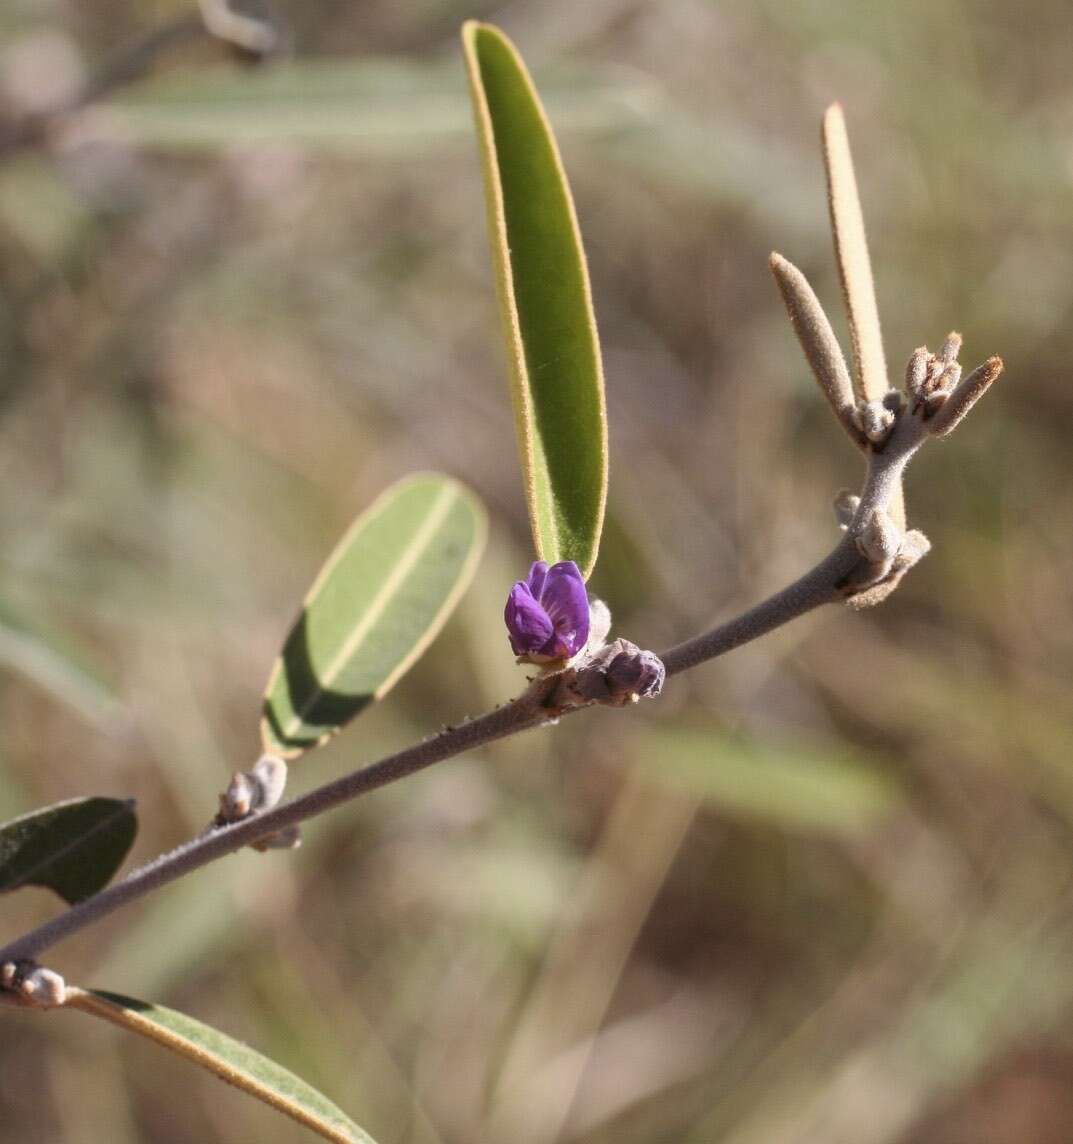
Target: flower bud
635, 674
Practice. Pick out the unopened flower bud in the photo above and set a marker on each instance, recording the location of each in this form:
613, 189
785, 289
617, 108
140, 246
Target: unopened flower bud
951, 347
916, 371
635, 674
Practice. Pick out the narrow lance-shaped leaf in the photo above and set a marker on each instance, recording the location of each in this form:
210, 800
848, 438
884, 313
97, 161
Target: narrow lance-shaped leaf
546, 304
379, 601
71, 847
854, 263
818, 342
228, 1059
855, 270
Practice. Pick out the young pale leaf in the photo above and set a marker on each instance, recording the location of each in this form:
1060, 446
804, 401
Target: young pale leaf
543, 287
72, 847
855, 270
378, 602
230, 1060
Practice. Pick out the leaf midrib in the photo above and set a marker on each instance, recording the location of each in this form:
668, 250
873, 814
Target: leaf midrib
27, 878
422, 539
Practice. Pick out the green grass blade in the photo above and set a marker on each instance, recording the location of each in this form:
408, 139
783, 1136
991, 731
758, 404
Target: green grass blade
792, 788
71, 847
546, 304
368, 107
228, 1059
379, 601
46, 658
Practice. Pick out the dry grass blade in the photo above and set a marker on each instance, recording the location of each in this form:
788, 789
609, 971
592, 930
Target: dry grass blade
818, 342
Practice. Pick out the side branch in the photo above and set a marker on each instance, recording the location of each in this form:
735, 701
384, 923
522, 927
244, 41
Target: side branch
863, 567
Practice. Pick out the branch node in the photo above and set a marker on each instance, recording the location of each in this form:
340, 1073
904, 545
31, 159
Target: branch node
875, 419
253, 791
618, 674
879, 540
30, 985
914, 546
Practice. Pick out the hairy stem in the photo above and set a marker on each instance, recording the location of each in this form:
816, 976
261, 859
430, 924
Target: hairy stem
824, 584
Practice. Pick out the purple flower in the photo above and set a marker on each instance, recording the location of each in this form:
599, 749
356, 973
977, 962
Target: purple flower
547, 614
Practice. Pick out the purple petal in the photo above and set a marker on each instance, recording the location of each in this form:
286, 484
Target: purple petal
535, 580
528, 625
566, 603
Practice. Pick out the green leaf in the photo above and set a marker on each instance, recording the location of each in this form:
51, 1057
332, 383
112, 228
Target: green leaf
71, 847
379, 601
546, 304
794, 788
228, 1059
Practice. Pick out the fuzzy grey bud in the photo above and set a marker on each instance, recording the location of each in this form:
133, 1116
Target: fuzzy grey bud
270, 774
874, 420
916, 371
32, 984
619, 673
950, 348
635, 674
250, 791
845, 506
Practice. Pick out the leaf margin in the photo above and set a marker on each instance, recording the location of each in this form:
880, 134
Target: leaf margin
129, 1013
269, 740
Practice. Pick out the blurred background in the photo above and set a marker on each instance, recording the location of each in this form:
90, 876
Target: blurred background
820, 893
